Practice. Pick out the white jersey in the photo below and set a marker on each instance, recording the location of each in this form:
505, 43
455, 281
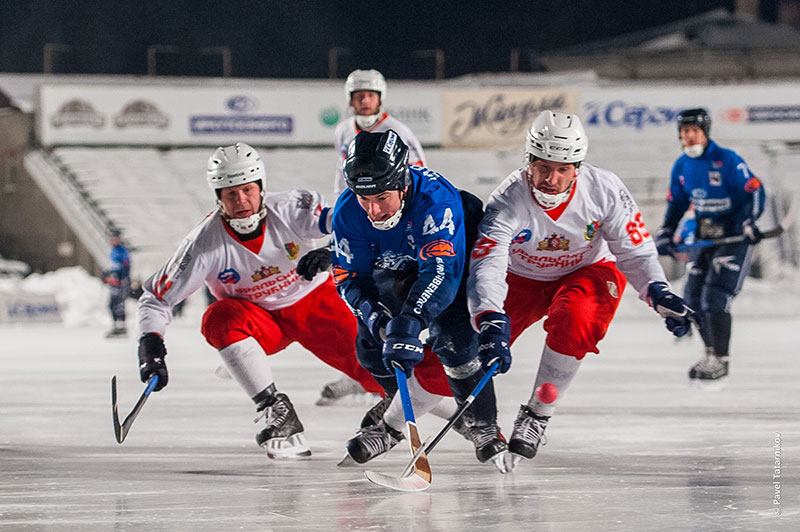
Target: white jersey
262, 271
346, 131
601, 222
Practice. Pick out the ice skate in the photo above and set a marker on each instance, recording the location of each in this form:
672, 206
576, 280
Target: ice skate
372, 441
336, 390
527, 435
375, 414
283, 436
709, 368
490, 445
118, 330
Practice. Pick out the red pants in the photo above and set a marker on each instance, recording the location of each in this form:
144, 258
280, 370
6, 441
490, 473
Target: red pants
579, 306
321, 322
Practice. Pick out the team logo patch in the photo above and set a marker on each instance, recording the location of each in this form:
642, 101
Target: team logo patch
522, 237
228, 276
591, 229
751, 185
340, 275
613, 290
716, 164
264, 272
715, 178
437, 248
554, 243
292, 250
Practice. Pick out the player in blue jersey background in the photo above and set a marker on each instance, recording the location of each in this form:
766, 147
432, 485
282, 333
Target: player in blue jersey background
399, 253
727, 200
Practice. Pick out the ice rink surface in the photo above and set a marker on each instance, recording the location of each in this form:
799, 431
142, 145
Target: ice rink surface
631, 447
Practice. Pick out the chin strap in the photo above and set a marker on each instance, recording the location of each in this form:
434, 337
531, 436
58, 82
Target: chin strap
366, 122
245, 226
694, 151
392, 221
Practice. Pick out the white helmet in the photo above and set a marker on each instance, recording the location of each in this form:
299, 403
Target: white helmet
365, 80
557, 137
235, 165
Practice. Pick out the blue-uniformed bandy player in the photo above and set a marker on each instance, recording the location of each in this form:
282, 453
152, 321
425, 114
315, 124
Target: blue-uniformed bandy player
559, 239
727, 200
399, 253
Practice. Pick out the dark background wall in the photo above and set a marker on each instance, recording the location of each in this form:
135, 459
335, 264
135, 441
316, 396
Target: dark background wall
272, 38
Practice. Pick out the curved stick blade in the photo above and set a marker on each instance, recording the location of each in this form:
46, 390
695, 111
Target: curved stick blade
410, 483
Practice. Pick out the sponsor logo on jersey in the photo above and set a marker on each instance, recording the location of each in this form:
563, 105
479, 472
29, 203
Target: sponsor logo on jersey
715, 178
752, 184
554, 243
522, 237
340, 275
482, 247
264, 272
716, 164
161, 287
292, 250
437, 248
591, 229
613, 290
229, 276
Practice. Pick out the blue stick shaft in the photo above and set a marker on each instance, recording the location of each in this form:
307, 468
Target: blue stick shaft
152, 383
402, 386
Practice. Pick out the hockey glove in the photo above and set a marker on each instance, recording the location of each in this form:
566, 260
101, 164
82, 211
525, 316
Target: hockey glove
151, 359
376, 317
676, 313
315, 261
402, 344
750, 232
494, 340
664, 244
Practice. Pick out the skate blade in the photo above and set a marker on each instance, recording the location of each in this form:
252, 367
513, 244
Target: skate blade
709, 385
512, 460
222, 373
411, 482
293, 447
500, 462
347, 461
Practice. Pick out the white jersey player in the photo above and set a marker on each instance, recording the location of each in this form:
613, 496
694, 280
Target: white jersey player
559, 239
365, 91
246, 253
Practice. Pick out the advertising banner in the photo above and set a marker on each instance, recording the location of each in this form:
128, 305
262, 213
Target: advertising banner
738, 112
497, 118
278, 115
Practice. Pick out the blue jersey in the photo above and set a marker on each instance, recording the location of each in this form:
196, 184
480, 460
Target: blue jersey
120, 262
721, 187
430, 234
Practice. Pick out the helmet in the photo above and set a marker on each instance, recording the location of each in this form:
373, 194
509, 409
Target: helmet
557, 137
235, 165
376, 162
695, 117
365, 80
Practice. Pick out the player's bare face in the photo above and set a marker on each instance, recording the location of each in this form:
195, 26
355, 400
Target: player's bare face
381, 207
551, 177
365, 103
692, 135
241, 201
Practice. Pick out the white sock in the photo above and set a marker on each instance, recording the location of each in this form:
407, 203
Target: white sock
557, 369
247, 363
422, 401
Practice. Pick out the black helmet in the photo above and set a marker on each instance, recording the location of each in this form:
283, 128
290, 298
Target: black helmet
695, 117
376, 162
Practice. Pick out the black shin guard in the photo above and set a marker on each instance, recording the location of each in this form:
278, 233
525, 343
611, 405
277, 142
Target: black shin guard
720, 325
484, 407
